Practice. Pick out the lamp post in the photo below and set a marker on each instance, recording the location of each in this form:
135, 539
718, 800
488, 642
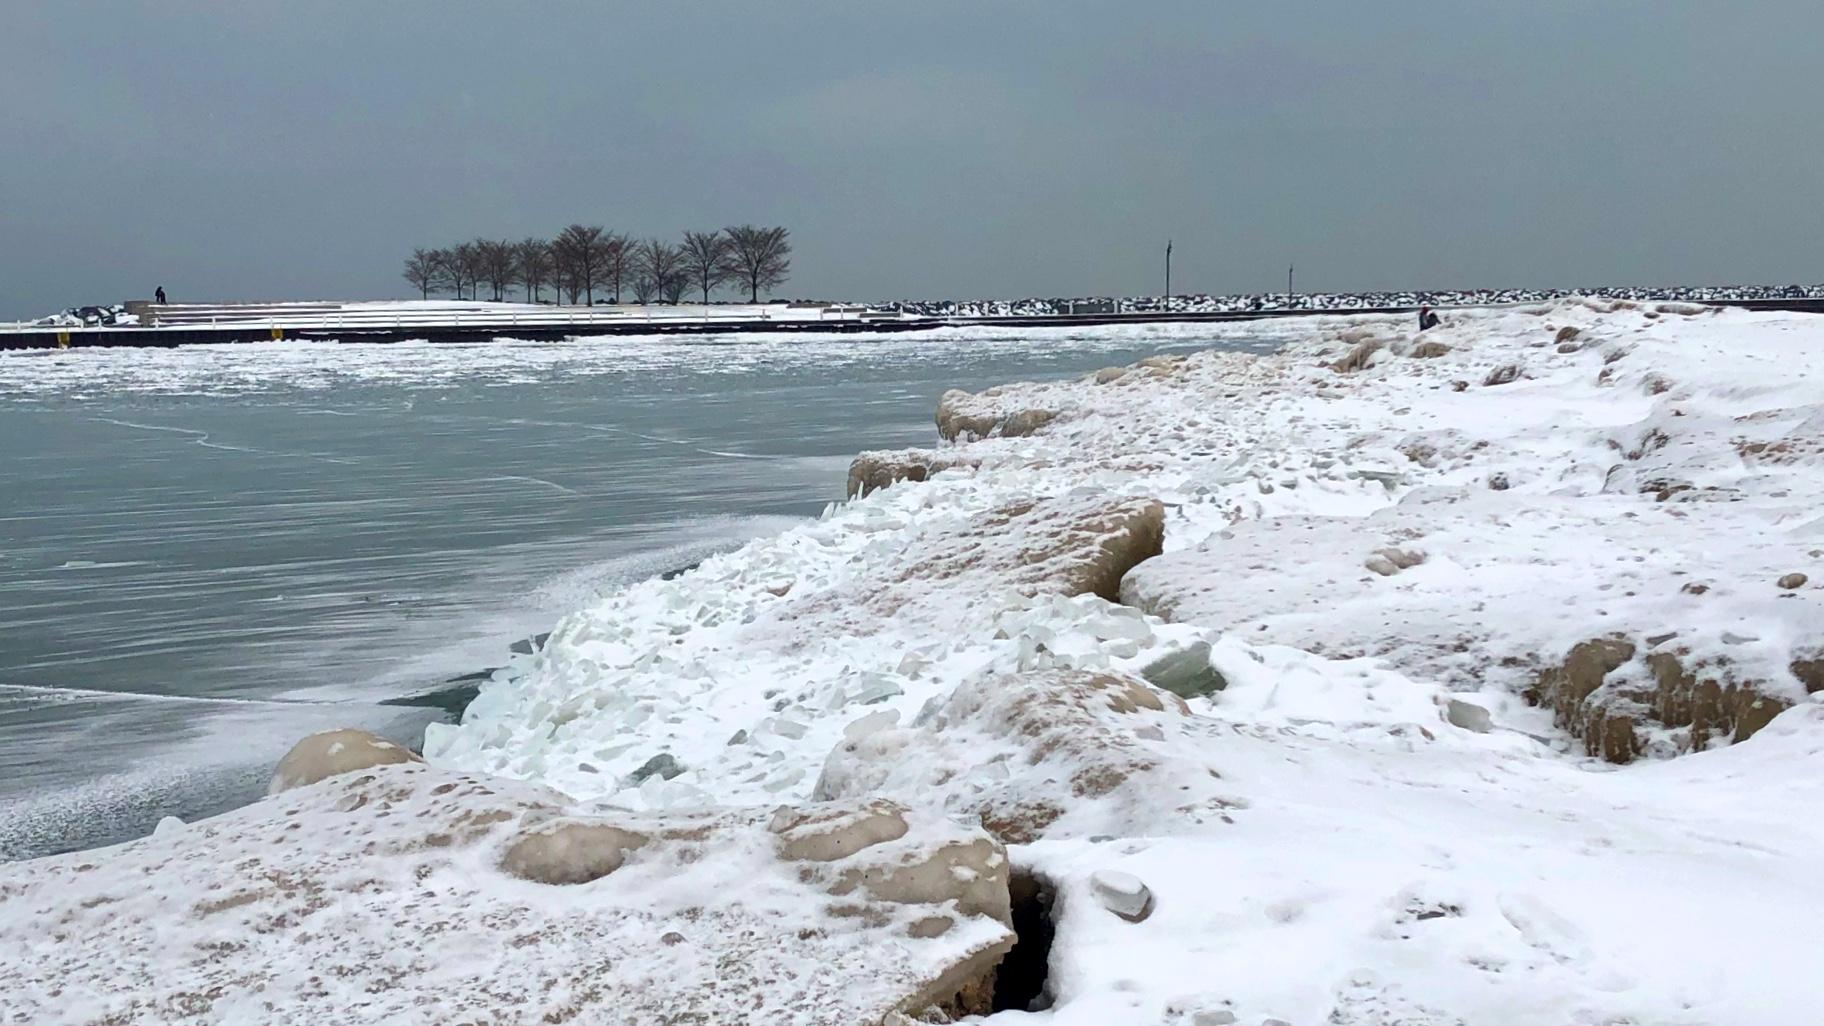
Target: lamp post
1288, 284
1168, 269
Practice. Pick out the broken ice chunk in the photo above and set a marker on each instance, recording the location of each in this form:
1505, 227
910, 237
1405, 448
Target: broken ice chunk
1122, 893
783, 779
879, 691
872, 723
1186, 673
663, 765
1468, 715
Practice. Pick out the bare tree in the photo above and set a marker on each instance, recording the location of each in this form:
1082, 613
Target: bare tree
563, 274
644, 288
480, 266
585, 249
759, 258
421, 271
617, 263
659, 271
534, 266
458, 268
706, 260
584, 258
443, 264
495, 260
467, 262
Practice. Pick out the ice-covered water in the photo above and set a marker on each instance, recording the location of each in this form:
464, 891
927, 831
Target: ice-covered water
207, 552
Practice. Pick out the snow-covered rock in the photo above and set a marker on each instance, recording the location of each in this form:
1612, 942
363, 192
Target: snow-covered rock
961, 415
872, 471
331, 752
413, 894
1059, 753
1396, 612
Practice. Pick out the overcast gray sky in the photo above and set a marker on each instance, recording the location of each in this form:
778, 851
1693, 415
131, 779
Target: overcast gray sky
916, 149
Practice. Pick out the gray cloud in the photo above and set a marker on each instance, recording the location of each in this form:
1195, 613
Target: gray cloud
943, 149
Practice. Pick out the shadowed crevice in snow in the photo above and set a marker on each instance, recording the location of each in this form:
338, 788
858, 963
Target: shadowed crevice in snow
1019, 984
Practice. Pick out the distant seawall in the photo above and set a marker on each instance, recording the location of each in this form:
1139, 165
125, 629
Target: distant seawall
456, 332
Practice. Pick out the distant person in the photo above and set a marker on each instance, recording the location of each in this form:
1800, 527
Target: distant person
1427, 319
160, 295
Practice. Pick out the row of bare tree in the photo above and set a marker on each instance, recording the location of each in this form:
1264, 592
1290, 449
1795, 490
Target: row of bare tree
586, 259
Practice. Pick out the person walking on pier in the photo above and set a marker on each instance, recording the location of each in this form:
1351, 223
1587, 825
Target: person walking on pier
160, 295
1427, 319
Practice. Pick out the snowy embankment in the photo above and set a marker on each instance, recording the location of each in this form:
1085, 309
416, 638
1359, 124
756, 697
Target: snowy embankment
1279, 678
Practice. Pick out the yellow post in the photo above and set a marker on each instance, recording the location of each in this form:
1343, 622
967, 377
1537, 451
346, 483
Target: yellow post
277, 334
63, 340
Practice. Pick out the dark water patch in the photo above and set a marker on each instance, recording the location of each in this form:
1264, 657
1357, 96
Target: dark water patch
451, 701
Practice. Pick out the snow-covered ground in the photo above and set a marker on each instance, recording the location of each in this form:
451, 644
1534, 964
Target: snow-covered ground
408, 894
1356, 546
1400, 576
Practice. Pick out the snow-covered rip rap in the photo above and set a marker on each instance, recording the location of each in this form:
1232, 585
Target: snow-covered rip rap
1390, 555
1279, 676
405, 893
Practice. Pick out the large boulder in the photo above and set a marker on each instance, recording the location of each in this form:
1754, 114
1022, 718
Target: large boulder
1050, 546
333, 752
964, 416
1706, 699
1506, 373
1055, 753
1042, 546
1709, 697
1567, 687
1359, 358
407, 893
874, 470
1808, 669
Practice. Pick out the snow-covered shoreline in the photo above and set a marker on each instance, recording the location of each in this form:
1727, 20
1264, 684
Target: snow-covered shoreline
1388, 581
1570, 429
1350, 853
1478, 502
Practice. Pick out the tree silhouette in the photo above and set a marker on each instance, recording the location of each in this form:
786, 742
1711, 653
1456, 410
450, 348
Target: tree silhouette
421, 271
706, 260
759, 258
584, 248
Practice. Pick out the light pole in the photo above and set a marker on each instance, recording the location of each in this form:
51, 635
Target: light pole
1168, 268
1288, 283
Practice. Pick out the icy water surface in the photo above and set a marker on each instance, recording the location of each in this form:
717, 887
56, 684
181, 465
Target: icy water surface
206, 553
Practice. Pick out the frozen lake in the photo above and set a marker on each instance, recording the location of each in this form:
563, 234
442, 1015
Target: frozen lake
206, 553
